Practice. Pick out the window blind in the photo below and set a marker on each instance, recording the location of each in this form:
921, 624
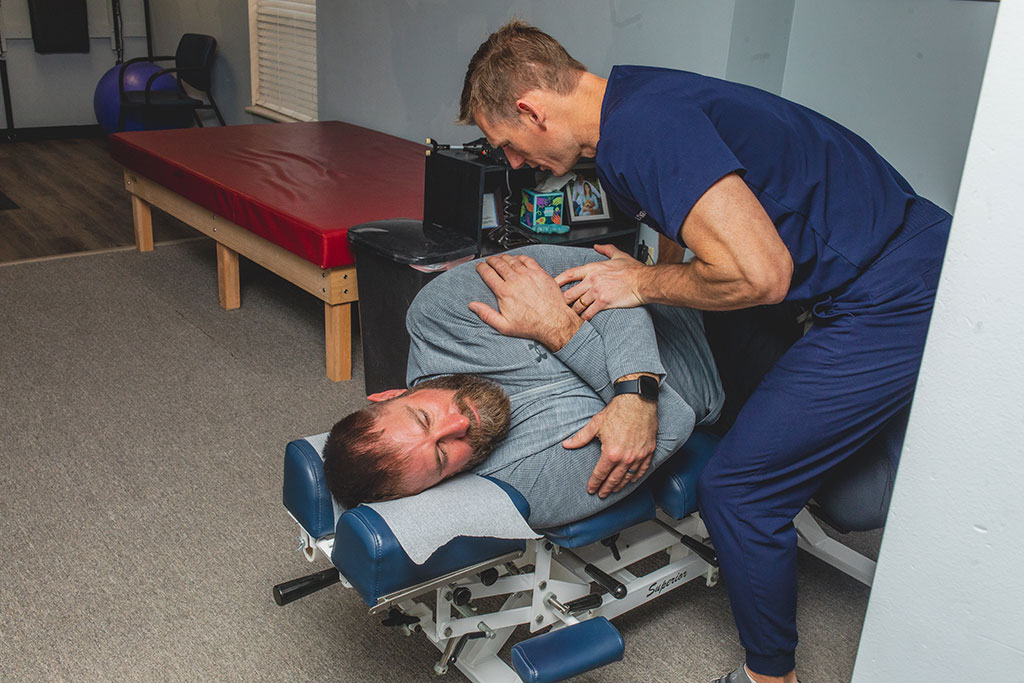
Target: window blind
283, 51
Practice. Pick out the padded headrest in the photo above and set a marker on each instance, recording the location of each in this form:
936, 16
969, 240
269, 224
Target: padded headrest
367, 553
365, 550
305, 493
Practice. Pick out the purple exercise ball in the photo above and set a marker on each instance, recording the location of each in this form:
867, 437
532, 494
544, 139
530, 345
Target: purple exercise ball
106, 101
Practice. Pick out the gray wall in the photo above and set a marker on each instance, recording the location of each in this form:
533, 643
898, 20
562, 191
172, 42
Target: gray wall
228, 22
57, 90
947, 600
904, 74
759, 44
398, 65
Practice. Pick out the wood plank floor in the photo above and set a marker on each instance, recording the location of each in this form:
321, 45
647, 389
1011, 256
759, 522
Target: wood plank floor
70, 198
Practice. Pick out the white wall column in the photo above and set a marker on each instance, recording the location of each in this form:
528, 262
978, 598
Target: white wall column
948, 595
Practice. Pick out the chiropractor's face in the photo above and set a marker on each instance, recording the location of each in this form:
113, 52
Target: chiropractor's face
543, 146
445, 426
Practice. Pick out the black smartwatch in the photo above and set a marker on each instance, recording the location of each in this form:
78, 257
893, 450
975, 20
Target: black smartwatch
644, 385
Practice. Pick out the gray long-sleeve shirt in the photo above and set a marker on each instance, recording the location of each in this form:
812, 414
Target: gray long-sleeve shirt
553, 395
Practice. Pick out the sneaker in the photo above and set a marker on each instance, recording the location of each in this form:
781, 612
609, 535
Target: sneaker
737, 676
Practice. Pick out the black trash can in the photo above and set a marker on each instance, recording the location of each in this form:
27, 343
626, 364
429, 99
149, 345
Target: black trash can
386, 252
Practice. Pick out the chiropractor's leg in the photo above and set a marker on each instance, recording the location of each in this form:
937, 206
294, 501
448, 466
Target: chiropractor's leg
830, 393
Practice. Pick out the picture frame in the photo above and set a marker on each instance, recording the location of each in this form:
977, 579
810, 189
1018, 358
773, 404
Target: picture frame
586, 199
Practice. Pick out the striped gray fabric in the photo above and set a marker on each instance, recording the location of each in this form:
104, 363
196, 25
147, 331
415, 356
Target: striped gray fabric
553, 395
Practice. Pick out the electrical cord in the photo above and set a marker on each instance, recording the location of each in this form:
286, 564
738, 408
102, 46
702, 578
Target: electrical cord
507, 236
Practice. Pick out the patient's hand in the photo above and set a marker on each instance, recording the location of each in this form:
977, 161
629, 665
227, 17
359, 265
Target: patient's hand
532, 305
628, 430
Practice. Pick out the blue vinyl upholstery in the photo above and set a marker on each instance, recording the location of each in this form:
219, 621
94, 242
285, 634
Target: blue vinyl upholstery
370, 557
566, 652
305, 493
630, 511
675, 483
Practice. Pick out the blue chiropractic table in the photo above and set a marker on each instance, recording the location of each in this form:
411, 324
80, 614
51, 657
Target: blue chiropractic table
566, 584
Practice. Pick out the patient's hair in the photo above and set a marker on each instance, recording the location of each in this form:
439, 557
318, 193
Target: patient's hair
513, 60
358, 465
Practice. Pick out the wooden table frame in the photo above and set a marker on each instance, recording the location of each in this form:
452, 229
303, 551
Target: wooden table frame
336, 287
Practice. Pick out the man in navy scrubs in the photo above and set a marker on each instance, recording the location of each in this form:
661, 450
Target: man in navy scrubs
777, 203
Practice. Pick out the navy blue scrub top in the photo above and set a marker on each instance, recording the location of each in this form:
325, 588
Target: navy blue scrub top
667, 136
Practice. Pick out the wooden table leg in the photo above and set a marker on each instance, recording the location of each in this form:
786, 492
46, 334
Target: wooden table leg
228, 290
338, 341
142, 217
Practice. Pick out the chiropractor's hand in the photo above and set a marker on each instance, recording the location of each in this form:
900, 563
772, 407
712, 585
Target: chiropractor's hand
531, 304
628, 430
605, 284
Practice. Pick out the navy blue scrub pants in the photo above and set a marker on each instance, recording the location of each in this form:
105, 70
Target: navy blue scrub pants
824, 399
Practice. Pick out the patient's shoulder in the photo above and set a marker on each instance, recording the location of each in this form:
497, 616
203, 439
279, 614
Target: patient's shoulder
443, 302
555, 259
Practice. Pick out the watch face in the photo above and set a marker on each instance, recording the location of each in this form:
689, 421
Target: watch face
648, 387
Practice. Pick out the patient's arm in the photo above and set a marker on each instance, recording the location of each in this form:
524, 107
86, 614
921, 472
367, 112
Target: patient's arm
611, 346
552, 478
530, 305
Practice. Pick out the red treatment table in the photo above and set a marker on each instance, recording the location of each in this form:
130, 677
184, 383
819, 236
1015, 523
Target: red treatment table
281, 195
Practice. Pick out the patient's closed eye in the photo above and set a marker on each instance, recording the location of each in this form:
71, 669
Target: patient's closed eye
440, 455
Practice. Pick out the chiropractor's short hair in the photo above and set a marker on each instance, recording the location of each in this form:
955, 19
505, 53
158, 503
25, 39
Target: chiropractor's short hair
513, 60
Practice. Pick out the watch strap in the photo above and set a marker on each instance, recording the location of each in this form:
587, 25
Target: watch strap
644, 385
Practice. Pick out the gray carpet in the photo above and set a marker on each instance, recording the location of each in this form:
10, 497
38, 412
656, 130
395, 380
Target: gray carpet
141, 527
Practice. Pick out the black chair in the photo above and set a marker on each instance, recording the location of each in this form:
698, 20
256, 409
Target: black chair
193, 63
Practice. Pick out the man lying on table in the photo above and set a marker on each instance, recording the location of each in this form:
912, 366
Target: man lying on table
508, 382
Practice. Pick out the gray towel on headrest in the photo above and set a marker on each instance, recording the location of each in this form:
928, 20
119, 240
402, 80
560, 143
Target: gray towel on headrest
465, 505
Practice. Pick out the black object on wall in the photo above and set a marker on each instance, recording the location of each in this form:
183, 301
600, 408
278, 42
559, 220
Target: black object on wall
118, 25
59, 25
149, 35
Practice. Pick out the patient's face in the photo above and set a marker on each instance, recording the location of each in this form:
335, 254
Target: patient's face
446, 426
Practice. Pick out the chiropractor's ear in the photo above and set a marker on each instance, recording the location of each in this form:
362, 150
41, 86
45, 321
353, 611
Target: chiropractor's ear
385, 395
529, 111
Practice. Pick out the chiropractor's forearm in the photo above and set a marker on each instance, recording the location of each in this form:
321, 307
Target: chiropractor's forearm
701, 285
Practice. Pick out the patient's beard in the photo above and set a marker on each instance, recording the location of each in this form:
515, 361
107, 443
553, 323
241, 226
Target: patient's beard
490, 402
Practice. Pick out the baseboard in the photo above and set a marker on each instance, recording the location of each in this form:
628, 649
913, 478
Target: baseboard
51, 133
